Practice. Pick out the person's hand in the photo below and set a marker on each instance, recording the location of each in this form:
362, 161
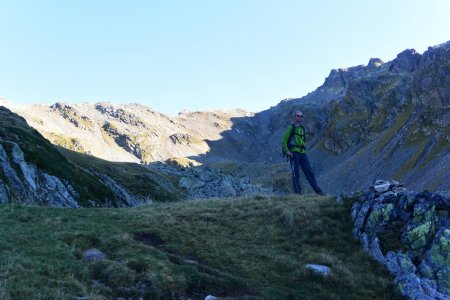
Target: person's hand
290, 154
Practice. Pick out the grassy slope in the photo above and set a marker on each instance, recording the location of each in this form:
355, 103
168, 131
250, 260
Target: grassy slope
136, 178
40, 152
70, 165
252, 248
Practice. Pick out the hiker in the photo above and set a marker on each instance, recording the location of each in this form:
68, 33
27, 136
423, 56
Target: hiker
294, 146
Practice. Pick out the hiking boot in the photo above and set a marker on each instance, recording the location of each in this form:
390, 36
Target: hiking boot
321, 193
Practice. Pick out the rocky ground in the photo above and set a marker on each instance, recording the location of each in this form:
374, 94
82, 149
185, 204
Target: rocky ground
409, 233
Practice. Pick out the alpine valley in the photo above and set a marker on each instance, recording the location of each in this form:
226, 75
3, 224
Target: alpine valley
199, 205
383, 120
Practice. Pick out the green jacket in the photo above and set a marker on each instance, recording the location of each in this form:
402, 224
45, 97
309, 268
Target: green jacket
297, 141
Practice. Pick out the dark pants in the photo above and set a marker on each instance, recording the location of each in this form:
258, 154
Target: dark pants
300, 159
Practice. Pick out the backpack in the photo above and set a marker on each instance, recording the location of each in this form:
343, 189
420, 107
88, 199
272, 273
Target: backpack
290, 137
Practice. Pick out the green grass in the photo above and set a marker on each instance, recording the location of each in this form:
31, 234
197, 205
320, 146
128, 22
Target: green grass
71, 166
137, 179
411, 162
249, 248
438, 148
400, 121
40, 152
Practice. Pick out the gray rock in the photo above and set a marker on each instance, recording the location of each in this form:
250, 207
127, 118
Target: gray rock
392, 264
381, 188
210, 297
190, 183
13, 179
365, 241
443, 280
405, 263
3, 193
409, 286
423, 271
375, 250
93, 254
361, 218
227, 185
430, 288
379, 218
56, 192
355, 210
318, 269
379, 182
206, 176
28, 171
388, 197
125, 198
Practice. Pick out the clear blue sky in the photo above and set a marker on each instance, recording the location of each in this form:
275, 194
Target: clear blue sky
199, 55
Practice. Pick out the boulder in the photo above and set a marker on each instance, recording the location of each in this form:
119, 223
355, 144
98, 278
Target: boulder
423, 225
378, 218
93, 254
381, 188
410, 287
318, 269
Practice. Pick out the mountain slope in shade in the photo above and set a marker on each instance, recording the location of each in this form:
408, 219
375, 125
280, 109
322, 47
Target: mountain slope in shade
382, 120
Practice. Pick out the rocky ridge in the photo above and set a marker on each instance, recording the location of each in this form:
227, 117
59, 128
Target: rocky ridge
126, 133
419, 223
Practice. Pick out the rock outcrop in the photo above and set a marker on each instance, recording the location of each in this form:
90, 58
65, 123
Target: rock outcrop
202, 182
389, 217
34, 172
24, 183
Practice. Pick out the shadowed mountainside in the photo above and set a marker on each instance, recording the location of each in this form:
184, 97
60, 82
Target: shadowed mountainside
383, 120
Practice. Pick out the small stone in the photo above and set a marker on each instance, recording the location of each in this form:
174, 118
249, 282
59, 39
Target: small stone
395, 183
93, 254
379, 181
210, 297
381, 188
399, 190
318, 269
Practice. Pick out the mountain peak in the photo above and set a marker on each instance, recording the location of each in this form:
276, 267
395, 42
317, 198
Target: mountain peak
375, 63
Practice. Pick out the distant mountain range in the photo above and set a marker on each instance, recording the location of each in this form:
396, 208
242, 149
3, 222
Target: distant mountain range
382, 120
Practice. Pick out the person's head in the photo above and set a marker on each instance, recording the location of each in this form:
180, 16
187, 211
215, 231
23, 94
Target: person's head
298, 116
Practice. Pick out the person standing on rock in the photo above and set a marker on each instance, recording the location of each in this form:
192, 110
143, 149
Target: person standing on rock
294, 145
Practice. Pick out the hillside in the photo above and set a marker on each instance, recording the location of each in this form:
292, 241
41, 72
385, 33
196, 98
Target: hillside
248, 248
34, 171
126, 133
380, 120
